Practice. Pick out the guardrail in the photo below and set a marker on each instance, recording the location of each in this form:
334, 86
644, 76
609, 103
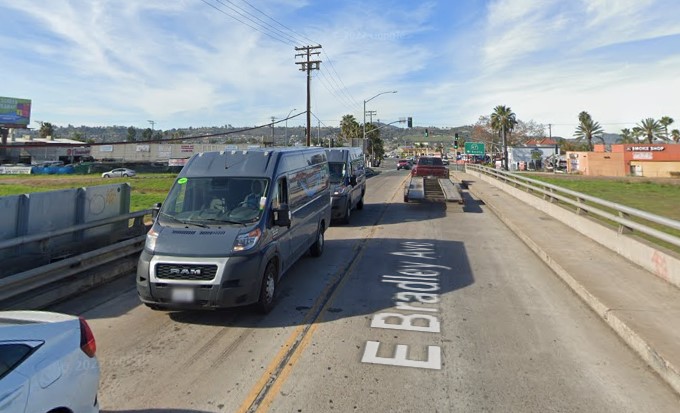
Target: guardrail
658, 253
46, 284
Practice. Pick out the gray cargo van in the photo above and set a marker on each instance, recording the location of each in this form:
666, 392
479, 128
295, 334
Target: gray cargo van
231, 226
348, 181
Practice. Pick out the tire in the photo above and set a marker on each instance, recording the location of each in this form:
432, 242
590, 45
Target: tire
107, 176
268, 290
348, 212
405, 198
125, 175
317, 248
360, 204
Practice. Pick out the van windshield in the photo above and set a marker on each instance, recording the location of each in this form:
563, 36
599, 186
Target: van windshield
337, 171
215, 200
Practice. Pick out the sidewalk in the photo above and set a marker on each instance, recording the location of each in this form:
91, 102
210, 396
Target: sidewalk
641, 308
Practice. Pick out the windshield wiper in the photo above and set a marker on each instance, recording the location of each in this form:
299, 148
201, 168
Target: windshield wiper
181, 221
227, 221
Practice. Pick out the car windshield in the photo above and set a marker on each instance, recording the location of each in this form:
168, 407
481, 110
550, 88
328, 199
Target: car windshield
430, 161
215, 200
337, 171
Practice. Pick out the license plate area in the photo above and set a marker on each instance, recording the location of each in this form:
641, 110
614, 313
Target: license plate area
182, 295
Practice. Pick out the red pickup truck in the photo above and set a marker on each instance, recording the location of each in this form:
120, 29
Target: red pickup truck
430, 166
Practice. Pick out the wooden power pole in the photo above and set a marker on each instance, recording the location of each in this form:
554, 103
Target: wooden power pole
307, 65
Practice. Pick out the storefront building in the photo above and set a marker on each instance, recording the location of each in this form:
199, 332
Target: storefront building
648, 160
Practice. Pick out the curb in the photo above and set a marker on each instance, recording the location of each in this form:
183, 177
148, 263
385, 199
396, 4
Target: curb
668, 372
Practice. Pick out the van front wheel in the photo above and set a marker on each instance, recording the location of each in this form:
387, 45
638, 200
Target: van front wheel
317, 248
268, 289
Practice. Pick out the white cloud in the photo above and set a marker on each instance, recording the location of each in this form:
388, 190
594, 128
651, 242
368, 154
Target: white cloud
183, 63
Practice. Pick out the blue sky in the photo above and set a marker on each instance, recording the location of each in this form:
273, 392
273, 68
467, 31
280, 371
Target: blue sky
188, 63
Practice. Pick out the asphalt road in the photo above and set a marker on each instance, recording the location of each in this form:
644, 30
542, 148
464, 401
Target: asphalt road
412, 307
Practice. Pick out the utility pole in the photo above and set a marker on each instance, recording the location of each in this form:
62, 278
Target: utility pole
370, 113
273, 141
307, 66
318, 133
152, 124
550, 130
505, 149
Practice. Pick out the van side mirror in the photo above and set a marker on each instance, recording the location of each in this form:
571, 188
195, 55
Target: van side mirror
282, 216
353, 180
155, 210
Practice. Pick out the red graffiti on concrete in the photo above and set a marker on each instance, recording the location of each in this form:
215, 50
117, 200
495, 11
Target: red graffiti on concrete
659, 261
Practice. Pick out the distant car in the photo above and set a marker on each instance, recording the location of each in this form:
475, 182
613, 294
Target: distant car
403, 164
119, 172
47, 363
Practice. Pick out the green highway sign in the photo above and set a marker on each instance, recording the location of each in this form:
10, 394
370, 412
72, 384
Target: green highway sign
474, 148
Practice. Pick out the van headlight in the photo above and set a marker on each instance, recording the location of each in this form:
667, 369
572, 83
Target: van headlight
340, 190
247, 241
151, 237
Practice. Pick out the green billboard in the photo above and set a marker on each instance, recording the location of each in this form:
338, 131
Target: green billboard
474, 148
15, 113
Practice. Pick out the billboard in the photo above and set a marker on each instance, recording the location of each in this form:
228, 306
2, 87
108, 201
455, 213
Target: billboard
15, 113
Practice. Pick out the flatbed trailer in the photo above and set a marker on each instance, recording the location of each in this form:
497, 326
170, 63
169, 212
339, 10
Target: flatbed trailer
432, 189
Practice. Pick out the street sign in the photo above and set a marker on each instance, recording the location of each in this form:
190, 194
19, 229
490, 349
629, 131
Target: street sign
474, 148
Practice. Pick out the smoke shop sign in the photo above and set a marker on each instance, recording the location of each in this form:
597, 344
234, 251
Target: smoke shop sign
645, 148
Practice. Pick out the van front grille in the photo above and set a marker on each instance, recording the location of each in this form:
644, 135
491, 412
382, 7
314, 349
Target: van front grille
186, 272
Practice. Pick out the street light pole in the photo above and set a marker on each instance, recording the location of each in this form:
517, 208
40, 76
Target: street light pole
286, 137
364, 128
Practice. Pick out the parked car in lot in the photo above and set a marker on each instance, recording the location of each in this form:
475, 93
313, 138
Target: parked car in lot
403, 164
119, 172
47, 363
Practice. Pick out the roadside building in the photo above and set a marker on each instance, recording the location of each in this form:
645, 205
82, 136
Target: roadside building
532, 155
649, 160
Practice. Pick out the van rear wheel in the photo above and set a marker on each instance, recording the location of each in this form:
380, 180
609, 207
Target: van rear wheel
348, 212
360, 204
268, 289
317, 248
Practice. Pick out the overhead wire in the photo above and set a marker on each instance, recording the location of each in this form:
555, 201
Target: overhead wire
183, 138
290, 37
283, 34
279, 39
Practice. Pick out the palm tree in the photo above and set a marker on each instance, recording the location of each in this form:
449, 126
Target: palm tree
588, 129
626, 136
503, 121
651, 129
675, 135
349, 128
666, 121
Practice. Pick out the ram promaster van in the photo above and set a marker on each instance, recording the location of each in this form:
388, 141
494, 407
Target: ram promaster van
348, 181
231, 226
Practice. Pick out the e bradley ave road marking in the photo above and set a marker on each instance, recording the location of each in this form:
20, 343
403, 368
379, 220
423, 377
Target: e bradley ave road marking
419, 283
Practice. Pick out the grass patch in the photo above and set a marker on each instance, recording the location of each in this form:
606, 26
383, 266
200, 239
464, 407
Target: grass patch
146, 189
659, 197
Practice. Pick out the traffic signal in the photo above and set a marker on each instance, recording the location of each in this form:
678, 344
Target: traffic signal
427, 133
455, 141
410, 122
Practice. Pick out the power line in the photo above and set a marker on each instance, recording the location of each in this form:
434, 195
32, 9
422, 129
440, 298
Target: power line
344, 87
307, 39
279, 39
35, 144
342, 100
283, 34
